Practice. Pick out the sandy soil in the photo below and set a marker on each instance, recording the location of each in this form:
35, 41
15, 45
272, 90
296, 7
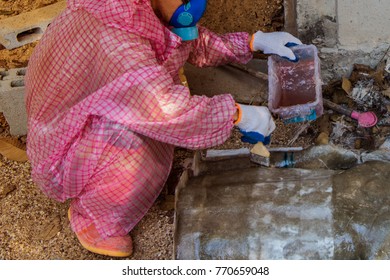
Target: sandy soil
35, 227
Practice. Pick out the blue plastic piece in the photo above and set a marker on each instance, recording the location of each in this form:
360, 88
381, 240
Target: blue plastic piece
310, 117
288, 160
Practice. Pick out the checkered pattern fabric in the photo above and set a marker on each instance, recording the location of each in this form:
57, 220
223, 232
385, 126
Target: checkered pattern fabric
106, 107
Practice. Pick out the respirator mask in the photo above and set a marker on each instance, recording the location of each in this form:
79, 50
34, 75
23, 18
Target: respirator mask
185, 18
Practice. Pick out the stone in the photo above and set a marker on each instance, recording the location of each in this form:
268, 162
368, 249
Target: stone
28, 27
12, 105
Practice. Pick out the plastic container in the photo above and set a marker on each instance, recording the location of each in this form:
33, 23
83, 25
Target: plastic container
295, 88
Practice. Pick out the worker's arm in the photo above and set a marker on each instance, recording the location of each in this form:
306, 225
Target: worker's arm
144, 97
211, 49
151, 104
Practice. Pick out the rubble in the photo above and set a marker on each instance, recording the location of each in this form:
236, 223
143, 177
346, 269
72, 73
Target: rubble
364, 90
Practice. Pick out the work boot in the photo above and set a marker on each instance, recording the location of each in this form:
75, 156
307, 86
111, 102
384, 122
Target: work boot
90, 239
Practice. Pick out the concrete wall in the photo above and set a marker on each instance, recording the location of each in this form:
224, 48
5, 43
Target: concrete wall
345, 31
311, 15
363, 22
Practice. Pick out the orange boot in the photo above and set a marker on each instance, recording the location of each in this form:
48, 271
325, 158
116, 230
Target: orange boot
90, 239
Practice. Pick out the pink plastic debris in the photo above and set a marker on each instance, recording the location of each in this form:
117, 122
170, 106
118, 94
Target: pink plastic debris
366, 119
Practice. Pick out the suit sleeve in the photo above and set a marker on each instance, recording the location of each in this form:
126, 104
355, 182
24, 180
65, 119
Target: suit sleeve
211, 49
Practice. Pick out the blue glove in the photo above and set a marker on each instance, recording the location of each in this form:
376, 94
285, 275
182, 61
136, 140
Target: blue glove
255, 123
275, 43
254, 137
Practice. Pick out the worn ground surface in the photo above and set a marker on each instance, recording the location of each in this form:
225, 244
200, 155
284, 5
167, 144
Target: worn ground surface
35, 227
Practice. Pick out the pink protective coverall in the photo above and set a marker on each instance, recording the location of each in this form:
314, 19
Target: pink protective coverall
106, 107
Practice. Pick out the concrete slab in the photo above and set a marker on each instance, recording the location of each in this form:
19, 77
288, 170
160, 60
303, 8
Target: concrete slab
244, 88
12, 92
234, 210
255, 213
28, 27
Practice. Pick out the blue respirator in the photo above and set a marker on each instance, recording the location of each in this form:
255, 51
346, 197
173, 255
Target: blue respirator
185, 18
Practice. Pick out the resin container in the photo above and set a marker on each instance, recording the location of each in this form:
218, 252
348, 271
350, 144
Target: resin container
295, 88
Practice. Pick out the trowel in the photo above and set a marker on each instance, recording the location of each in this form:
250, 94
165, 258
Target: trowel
365, 119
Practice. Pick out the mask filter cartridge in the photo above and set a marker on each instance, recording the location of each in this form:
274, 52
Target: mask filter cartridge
185, 18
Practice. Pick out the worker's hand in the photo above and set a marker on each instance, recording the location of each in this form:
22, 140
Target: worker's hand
255, 123
274, 43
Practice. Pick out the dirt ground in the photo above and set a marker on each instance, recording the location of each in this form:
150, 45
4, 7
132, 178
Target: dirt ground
35, 227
